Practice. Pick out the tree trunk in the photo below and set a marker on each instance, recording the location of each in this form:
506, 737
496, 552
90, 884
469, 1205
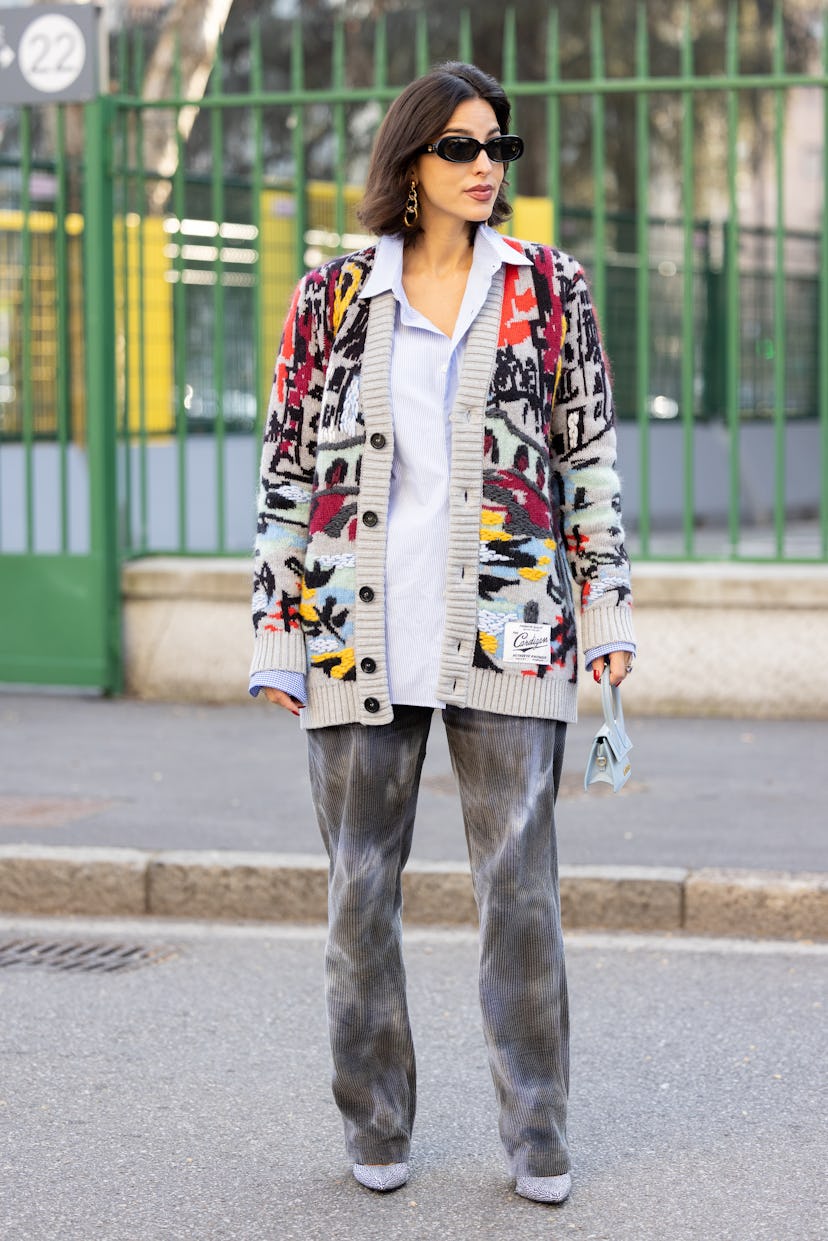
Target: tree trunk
190, 34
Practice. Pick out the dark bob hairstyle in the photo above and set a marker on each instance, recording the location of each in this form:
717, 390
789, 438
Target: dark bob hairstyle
417, 117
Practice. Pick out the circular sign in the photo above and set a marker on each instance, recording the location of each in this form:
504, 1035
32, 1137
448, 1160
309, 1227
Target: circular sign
51, 53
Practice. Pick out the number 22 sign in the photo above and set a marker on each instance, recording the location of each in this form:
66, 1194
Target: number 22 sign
49, 53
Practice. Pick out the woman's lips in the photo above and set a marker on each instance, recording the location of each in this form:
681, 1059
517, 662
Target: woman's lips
481, 192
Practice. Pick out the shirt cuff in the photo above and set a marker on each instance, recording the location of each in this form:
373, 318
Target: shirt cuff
292, 683
606, 649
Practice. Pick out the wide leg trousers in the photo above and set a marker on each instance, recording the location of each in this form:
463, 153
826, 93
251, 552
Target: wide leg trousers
364, 782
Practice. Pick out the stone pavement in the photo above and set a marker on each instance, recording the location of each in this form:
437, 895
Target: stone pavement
721, 829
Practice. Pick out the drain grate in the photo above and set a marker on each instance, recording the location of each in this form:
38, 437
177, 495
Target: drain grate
82, 956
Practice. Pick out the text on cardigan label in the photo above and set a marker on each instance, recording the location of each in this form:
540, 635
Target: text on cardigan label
527, 644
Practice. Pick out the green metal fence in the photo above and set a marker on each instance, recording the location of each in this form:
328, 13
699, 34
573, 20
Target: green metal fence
59, 547
718, 327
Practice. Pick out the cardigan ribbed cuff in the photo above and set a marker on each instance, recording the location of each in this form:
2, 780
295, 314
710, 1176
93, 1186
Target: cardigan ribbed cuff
285, 651
603, 624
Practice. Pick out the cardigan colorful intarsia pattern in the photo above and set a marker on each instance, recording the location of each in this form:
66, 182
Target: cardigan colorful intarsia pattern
534, 495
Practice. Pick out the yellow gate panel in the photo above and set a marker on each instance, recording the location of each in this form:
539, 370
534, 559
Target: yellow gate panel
533, 220
276, 273
44, 321
145, 327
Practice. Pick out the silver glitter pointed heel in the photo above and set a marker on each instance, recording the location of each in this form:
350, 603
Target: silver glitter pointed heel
382, 1177
544, 1188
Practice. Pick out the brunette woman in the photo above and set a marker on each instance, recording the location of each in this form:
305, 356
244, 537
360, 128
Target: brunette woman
438, 466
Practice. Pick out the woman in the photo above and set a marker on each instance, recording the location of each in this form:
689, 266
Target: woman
438, 458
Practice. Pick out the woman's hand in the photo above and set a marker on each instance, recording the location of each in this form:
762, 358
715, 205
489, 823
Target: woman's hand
280, 699
620, 664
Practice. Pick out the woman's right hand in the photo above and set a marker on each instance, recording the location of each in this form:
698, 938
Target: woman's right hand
280, 699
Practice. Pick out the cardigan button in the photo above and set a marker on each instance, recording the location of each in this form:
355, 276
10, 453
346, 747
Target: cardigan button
368, 665
366, 594
377, 440
369, 518
372, 705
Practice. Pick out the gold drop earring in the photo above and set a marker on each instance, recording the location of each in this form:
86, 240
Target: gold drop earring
412, 207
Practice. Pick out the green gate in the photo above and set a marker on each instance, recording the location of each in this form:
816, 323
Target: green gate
59, 587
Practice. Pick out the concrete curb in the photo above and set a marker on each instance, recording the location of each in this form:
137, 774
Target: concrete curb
272, 887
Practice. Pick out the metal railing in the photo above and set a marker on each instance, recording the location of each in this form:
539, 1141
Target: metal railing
718, 330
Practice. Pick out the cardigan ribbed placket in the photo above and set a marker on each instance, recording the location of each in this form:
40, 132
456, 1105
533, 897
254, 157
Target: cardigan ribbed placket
374, 700
465, 498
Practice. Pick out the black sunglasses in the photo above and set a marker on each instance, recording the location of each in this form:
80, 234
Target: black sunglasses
500, 150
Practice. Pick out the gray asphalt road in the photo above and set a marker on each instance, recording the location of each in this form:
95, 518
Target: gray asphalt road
86, 771
189, 1099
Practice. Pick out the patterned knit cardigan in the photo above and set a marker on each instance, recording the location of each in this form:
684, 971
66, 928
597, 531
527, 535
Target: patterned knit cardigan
533, 495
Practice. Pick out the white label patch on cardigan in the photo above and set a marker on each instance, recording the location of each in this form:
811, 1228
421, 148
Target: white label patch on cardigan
527, 644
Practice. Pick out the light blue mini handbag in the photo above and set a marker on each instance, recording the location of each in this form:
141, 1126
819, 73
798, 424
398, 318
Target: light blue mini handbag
609, 756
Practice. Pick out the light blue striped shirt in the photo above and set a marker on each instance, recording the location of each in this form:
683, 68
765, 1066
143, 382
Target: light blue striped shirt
425, 368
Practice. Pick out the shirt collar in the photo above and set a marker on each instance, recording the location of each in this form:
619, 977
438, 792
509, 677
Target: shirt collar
490, 248
387, 269
501, 249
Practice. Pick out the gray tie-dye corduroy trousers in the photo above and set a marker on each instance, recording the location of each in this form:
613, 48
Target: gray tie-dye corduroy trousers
364, 782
